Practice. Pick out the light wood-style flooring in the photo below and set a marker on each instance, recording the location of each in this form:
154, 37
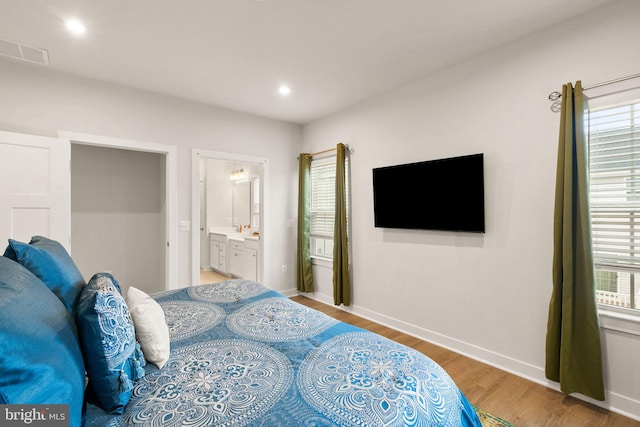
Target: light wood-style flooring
519, 401
208, 276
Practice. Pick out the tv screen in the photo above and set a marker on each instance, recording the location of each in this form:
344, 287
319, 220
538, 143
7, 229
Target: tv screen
443, 194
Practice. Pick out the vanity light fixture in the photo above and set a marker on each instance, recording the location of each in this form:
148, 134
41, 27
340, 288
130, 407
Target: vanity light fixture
75, 26
238, 175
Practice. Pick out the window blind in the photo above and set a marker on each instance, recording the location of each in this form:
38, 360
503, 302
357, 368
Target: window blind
322, 211
614, 172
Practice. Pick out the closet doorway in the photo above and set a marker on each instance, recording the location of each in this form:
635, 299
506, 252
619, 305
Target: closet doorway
228, 201
123, 197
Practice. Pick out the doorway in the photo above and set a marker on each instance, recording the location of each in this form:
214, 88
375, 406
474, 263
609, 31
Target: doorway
117, 215
228, 194
164, 157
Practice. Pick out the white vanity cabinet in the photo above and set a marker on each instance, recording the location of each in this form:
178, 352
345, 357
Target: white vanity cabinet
218, 252
243, 258
236, 249
250, 260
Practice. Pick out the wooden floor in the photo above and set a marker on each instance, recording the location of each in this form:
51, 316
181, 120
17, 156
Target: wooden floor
519, 401
208, 276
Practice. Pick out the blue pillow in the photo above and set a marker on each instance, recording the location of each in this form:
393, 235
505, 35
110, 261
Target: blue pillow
50, 261
40, 357
110, 277
107, 336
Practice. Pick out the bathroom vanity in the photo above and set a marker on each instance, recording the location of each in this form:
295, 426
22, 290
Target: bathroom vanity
234, 253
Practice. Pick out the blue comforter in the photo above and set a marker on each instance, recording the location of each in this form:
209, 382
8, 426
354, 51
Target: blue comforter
244, 355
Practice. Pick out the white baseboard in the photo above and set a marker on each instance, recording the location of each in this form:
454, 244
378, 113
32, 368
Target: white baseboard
291, 293
614, 402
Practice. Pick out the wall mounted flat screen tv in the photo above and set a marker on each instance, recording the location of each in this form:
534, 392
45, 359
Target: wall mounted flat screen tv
444, 194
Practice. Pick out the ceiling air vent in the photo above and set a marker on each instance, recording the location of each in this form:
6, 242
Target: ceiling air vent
21, 52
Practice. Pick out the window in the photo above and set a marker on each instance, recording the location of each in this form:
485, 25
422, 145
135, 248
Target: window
614, 172
322, 211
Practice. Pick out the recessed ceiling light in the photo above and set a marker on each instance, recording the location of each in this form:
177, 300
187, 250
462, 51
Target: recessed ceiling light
284, 90
76, 27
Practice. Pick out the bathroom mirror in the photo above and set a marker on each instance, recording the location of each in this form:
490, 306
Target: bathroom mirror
241, 203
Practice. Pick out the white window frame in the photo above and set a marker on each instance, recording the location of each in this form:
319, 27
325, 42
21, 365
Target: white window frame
322, 209
612, 204
323, 172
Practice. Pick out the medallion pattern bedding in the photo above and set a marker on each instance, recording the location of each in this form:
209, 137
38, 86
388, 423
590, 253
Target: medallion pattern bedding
244, 355
233, 353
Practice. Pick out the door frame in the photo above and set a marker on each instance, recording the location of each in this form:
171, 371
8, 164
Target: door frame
171, 185
196, 155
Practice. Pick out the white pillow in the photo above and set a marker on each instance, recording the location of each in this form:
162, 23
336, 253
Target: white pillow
151, 327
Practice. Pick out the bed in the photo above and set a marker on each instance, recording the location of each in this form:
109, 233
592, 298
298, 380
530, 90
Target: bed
240, 354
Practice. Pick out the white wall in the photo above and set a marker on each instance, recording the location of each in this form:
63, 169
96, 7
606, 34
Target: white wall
483, 295
37, 101
117, 215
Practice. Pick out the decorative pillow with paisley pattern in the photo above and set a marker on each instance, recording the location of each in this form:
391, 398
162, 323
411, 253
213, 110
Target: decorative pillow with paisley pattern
107, 336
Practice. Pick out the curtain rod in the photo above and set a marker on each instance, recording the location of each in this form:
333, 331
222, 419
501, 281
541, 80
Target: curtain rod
555, 95
328, 150
610, 82
317, 153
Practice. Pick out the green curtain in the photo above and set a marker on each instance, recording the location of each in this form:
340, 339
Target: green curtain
305, 276
341, 279
573, 352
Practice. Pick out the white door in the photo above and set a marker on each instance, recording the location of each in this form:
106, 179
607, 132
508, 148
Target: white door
35, 188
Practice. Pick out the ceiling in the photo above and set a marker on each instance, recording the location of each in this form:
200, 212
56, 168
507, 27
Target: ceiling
235, 53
